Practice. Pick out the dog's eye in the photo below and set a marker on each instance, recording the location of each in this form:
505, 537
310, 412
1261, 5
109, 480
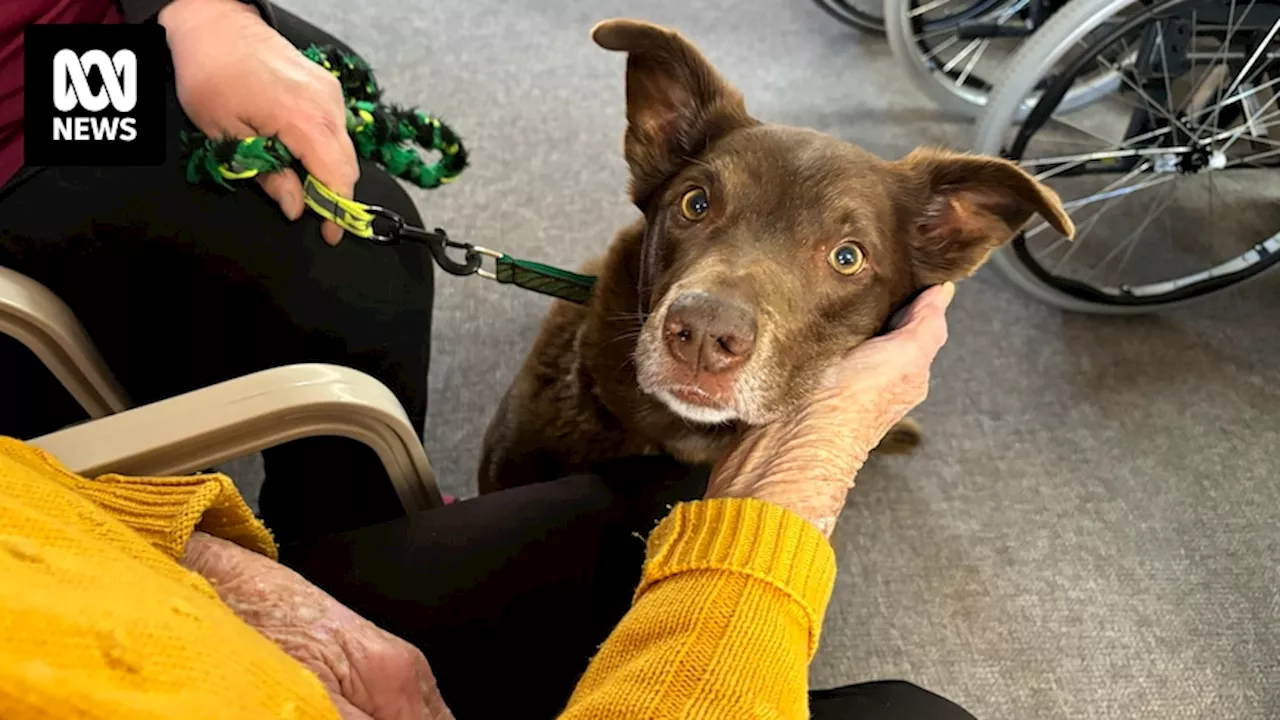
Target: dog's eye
694, 204
847, 258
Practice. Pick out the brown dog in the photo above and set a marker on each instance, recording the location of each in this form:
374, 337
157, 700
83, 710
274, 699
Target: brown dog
765, 254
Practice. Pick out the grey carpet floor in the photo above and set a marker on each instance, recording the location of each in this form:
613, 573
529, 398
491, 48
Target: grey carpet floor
1092, 529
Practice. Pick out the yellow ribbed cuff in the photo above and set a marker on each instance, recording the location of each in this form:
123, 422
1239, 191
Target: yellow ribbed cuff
166, 510
752, 537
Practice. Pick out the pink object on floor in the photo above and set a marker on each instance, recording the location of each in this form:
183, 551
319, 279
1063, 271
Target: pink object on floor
449, 499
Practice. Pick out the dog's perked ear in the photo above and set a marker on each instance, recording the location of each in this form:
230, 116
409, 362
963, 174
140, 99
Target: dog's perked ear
677, 103
964, 206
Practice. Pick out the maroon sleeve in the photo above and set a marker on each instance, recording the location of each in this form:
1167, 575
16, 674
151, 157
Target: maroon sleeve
137, 11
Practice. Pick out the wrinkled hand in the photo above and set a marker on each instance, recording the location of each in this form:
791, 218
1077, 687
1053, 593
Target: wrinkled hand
236, 75
807, 463
370, 674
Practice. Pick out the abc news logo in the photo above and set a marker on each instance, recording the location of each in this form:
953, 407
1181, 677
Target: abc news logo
71, 90
95, 95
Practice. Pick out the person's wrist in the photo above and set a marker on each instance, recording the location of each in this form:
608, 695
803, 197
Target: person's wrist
819, 501
812, 484
208, 555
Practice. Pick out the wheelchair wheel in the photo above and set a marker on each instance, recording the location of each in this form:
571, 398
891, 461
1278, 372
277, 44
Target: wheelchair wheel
1172, 180
952, 49
864, 15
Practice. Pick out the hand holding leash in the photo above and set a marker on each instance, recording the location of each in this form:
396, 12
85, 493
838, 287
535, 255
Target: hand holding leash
236, 76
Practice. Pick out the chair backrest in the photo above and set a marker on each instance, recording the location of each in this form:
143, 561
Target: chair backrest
35, 317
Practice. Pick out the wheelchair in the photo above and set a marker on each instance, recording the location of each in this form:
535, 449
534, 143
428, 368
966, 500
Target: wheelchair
1170, 178
864, 15
955, 51
952, 49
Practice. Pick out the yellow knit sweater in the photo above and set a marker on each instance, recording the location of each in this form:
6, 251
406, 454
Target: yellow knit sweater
98, 620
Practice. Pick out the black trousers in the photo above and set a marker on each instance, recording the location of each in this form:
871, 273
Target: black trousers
183, 286
510, 594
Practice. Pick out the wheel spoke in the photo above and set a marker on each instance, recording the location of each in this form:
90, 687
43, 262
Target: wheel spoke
968, 68
1257, 53
1238, 97
927, 7
1081, 234
1252, 158
1128, 244
1250, 123
1070, 165
942, 46
1014, 9
1077, 160
1164, 63
1232, 26
1265, 140
1152, 104
1230, 132
1118, 192
951, 64
1084, 228
1252, 116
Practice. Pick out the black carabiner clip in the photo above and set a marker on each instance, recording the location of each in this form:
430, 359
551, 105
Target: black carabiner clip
437, 242
385, 235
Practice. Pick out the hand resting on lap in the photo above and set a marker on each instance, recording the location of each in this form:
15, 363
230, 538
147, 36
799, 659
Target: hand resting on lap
370, 674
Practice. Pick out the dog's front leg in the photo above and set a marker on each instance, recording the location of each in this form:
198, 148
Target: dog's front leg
517, 448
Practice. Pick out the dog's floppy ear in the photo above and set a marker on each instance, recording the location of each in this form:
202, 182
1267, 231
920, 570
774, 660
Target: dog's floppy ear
677, 103
962, 207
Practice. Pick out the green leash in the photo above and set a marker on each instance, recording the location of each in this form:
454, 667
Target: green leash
386, 135
544, 279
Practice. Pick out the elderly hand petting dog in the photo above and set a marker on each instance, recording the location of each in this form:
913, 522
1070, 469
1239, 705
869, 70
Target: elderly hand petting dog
113, 607
807, 462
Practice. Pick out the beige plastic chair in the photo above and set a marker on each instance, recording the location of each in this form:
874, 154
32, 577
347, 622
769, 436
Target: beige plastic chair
205, 427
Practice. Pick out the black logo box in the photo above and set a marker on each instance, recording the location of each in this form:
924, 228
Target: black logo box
41, 43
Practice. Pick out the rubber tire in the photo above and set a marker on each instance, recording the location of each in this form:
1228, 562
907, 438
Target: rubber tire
967, 102
1005, 108
853, 18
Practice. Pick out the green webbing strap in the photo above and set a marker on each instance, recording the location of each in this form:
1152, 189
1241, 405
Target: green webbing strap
545, 279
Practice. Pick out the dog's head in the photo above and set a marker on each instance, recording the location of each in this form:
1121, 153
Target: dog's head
772, 251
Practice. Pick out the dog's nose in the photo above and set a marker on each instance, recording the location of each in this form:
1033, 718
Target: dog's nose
708, 333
